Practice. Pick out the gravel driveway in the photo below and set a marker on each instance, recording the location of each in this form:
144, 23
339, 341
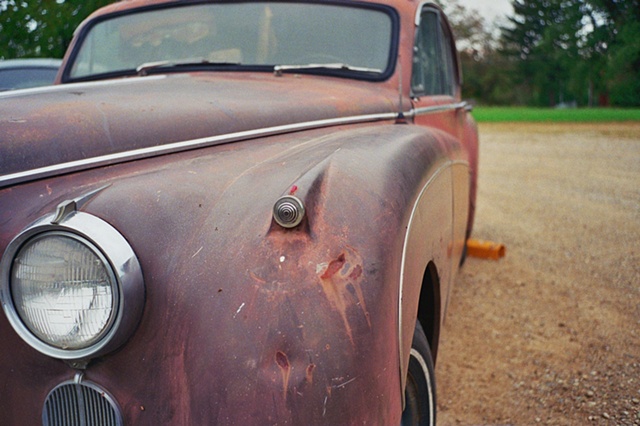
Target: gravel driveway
550, 334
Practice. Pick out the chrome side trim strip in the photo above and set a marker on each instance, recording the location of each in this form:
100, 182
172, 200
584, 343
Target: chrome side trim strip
121, 157
437, 108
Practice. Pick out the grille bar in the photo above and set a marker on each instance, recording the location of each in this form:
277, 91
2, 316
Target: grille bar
80, 404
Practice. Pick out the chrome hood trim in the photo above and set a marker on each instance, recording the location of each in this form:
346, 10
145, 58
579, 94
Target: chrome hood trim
120, 157
78, 126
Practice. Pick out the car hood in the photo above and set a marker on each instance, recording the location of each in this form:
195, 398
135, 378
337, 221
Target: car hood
71, 124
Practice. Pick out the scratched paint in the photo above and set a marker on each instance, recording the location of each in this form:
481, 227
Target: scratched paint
341, 281
285, 368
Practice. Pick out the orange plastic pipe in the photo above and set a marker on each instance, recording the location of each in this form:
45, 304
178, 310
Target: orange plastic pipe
485, 249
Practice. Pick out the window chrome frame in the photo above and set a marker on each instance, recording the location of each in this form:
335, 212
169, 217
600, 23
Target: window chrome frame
449, 42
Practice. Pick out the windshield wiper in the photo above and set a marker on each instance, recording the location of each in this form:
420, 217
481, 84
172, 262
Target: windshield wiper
144, 68
280, 69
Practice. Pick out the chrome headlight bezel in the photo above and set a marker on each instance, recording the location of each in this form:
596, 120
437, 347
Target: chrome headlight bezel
122, 266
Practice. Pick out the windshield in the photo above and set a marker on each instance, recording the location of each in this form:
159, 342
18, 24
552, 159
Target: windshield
242, 34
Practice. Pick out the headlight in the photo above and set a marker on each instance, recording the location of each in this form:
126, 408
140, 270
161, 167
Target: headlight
64, 290
72, 289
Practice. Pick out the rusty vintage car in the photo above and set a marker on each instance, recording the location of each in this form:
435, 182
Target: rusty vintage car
235, 212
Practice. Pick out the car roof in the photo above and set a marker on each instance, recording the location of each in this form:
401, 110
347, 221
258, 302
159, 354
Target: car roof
121, 6
30, 63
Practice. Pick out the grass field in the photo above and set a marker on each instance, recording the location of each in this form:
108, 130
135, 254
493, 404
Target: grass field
569, 115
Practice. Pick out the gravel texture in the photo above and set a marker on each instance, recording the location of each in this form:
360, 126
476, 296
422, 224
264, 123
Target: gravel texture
550, 334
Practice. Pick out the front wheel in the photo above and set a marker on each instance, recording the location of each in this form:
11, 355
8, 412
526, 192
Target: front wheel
420, 391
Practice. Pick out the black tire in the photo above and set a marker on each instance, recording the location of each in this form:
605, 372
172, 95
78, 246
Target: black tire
420, 391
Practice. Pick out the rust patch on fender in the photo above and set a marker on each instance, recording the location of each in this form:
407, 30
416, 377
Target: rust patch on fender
333, 267
341, 281
283, 362
309, 373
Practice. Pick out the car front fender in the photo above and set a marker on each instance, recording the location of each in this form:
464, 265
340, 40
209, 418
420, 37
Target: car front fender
246, 322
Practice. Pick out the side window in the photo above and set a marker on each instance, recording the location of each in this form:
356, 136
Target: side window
448, 66
433, 68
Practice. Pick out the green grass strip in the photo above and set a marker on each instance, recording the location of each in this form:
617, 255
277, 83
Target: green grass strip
553, 115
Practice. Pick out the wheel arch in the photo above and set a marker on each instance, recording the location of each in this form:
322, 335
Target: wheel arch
429, 307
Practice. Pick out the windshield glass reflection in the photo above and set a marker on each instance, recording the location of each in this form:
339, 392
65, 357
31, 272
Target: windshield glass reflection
238, 33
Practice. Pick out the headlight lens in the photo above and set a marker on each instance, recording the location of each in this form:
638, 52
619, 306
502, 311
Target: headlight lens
64, 290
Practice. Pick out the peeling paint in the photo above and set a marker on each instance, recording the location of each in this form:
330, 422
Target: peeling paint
341, 281
285, 367
309, 373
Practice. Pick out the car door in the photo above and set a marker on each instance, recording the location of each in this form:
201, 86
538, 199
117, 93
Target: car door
436, 97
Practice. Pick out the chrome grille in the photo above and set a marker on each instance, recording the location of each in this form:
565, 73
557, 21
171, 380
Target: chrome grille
80, 404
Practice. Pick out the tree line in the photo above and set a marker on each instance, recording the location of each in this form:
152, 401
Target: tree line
41, 28
547, 53
552, 53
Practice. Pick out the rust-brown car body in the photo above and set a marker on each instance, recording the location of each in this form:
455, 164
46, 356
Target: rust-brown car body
244, 321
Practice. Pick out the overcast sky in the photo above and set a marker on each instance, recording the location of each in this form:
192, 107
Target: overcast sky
490, 9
